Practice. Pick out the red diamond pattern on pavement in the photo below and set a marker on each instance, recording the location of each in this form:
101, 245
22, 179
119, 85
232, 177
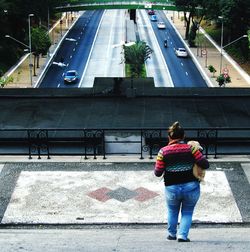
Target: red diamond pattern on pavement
144, 194
100, 194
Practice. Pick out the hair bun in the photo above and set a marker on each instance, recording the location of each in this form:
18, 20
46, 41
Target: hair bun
175, 131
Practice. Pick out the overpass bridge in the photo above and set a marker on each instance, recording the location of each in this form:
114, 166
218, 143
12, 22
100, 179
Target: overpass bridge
79, 5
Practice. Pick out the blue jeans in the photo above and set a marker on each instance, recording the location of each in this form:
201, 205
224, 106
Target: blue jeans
181, 197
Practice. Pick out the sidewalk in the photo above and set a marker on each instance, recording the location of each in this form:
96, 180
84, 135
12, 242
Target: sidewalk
213, 56
123, 240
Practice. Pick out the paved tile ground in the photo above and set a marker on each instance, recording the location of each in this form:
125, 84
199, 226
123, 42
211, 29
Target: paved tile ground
75, 193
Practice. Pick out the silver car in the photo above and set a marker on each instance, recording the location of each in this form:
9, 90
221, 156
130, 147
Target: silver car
161, 25
181, 52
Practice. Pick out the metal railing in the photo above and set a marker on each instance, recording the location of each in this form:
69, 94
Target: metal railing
120, 4
106, 142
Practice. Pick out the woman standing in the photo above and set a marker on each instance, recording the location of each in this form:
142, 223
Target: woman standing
175, 161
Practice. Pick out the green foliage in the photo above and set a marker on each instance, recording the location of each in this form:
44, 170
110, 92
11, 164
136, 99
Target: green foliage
5, 80
222, 80
136, 55
13, 21
129, 71
212, 69
40, 41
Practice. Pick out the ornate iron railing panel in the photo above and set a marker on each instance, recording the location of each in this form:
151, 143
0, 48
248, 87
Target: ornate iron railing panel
142, 142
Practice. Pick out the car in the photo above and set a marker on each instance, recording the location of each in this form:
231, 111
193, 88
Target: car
153, 18
181, 52
151, 12
161, 25
71, 76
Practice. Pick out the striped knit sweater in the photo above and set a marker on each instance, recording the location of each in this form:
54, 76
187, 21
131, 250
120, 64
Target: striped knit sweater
176, 162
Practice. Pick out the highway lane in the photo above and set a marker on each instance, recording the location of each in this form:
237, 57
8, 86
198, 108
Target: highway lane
183, 71
156, 66
74, 53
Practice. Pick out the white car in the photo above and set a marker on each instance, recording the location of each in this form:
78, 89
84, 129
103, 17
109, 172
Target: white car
181, 52
161, 25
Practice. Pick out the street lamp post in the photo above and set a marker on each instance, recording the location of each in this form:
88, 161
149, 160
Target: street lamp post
221, 40
30, 49
243, 36
27, 46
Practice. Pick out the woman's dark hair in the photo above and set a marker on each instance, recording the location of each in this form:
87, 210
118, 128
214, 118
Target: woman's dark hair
175, 131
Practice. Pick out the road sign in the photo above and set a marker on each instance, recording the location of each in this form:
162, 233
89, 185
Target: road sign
225, 75
204, 51
225, 71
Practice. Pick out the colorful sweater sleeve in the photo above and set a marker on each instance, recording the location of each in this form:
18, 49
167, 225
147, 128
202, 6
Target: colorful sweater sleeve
160, 164
200, 159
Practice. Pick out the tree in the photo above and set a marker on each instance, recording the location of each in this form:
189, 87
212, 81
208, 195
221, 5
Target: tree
192, 34
14, 21
40, 43
190, 9
136, 55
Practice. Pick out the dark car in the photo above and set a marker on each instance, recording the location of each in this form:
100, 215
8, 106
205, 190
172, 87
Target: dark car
71, 76
151, 12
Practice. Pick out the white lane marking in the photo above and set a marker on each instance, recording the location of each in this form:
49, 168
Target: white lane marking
74, 49
246, 168
187, 73
67, 64
76, 43
58, 84
1, 167
181, 63
70, 56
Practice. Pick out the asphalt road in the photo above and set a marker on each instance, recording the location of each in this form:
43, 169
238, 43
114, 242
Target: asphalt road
155, 65
167, 68
74, 54
182, 70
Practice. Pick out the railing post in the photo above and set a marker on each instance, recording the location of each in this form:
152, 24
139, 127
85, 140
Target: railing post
47, 144
103, 145
215, 145
85, 144
141, 143
38, 139
28, 133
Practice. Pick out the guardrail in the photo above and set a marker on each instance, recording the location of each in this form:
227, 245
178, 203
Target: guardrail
104, 142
